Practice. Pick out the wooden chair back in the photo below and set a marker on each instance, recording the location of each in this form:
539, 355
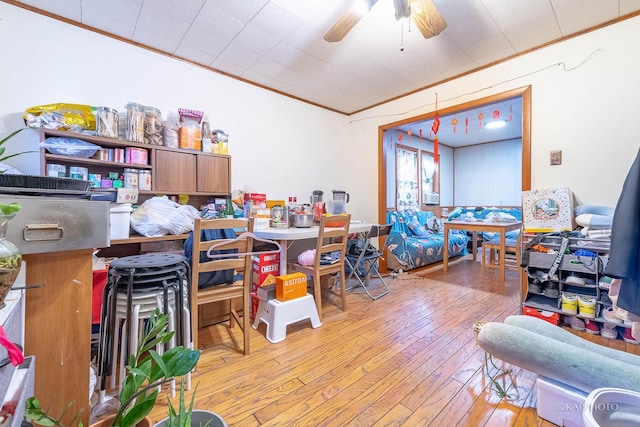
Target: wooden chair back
332, 239
228, 254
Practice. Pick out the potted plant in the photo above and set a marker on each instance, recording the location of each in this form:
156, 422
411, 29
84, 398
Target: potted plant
10, 257
147, 369
185, 416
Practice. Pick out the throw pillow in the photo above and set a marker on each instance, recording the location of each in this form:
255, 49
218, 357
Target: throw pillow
416, 228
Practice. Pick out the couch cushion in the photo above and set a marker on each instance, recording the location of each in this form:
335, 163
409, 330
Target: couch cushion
409, 221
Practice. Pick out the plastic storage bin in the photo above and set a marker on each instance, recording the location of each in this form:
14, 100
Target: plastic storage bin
612, 407
120, 218
559, 403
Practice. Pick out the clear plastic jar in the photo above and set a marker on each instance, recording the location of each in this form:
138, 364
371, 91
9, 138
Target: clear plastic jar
135, 122
153, 126
107, 122
130, 178
190, 134
144, 180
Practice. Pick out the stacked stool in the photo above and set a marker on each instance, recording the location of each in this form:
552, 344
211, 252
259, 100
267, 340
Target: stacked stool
137, 286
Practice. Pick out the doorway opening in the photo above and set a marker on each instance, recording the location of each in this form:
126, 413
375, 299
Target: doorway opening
386, 135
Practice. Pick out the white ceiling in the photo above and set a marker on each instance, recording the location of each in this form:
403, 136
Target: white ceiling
278, 44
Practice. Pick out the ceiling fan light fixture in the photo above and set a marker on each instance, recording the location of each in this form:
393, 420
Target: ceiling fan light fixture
403, 9
496, 124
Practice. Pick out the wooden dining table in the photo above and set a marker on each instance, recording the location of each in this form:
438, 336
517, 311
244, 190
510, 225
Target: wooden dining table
479, 226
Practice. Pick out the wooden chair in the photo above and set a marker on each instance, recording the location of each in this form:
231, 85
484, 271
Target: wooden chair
239, 264
332, 243
512, 257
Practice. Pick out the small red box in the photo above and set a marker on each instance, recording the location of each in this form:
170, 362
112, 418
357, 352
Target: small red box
136, 156
549, 316
259, 199
265, 268
255, 300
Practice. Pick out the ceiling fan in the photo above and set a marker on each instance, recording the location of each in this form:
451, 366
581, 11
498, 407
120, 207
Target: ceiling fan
423, 12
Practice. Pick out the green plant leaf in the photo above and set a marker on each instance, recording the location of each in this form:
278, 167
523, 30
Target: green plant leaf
141, 409
160, 367
178, 361
5, 139
11, 208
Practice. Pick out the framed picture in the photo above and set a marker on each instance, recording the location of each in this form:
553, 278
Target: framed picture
549, 210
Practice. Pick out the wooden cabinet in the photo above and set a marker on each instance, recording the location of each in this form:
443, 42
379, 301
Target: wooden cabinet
57, 329
192, 173
174, 171
213, 174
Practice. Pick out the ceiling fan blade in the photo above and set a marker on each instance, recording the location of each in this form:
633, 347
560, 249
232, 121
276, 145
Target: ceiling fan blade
348, 20
427, 18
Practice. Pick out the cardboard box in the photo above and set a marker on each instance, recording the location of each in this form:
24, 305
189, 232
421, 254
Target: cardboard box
267, 292
546, 211
252, 202
265, 269
291, 286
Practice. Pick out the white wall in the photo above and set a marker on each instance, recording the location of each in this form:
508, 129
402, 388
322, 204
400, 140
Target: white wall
279, 146
584, 104
488, 174
284, 147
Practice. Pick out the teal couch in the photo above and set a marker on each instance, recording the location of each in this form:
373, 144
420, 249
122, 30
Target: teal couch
411, 245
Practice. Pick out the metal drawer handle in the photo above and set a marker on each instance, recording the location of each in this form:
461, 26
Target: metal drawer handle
42, 232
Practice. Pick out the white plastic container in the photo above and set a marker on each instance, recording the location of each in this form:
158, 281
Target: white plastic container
120, 219
612, 407
559, 403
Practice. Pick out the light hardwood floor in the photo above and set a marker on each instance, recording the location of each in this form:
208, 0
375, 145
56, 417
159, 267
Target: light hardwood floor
407, 359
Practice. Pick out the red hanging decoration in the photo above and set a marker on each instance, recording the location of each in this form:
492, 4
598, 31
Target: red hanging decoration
510, 113
496, 114
434, 127
454, 122
435, 150
466, 125
420, 141
399, 137
480, 117
436, 124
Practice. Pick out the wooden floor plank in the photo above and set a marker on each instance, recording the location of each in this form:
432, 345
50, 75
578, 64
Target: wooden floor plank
407, 359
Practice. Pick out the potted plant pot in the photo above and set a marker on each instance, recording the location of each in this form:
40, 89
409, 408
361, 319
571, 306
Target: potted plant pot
108, 422
199, 417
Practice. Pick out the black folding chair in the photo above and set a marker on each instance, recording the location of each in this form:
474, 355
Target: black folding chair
363, 255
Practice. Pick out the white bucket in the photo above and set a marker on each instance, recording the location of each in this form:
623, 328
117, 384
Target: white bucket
612, 407
120, 219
